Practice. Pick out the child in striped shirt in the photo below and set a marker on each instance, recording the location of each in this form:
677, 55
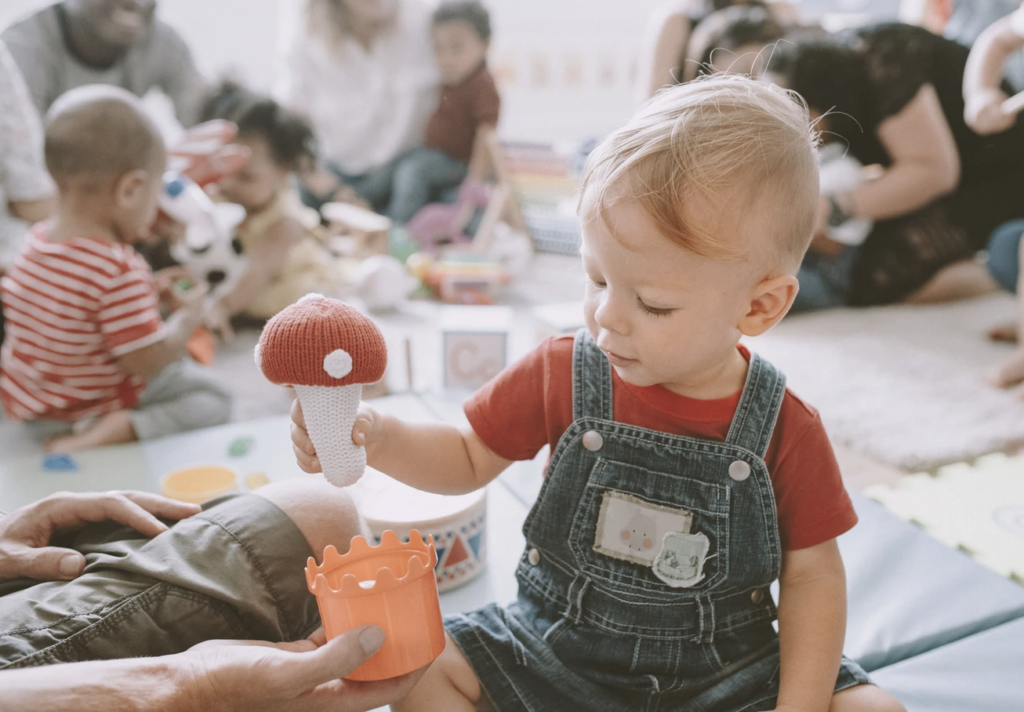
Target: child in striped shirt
87, 360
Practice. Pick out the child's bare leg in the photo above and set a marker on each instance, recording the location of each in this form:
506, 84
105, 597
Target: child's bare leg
865, 698
110, 429
449, 685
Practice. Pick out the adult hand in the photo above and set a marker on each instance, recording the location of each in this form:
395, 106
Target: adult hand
304, 676
984, 112
25, 533
206, 152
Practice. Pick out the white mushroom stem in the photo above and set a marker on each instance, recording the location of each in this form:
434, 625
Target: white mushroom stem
330, 412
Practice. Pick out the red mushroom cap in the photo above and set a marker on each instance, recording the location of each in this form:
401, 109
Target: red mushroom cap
321, 342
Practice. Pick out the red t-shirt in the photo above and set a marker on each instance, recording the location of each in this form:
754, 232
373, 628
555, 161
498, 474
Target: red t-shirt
72, 309
529, 405
461, 109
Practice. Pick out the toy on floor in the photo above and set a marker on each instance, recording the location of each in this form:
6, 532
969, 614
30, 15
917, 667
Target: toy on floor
383, 283
326, 350
195, 485
841, 173
390, 585
459, 278
978, 509
208, 250
59, 462
240, 446
457, 523
441, 223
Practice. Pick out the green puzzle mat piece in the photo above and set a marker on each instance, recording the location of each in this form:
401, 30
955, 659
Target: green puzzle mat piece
978, 508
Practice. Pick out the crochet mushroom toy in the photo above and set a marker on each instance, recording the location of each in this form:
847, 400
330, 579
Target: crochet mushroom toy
326, 350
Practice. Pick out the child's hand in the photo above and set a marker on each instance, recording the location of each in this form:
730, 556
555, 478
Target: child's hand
984, 112
1010, 372
368, 428
302, 445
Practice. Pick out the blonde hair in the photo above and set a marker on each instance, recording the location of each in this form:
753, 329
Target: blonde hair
719, 146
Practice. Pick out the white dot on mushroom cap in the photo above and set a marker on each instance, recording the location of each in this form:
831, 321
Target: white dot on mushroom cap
338, 363
311, 297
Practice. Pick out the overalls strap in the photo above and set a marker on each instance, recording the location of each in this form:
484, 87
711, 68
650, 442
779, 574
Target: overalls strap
758, 409
591, 379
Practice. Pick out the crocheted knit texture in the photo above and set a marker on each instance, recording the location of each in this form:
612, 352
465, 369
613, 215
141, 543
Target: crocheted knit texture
295, 344
330, 412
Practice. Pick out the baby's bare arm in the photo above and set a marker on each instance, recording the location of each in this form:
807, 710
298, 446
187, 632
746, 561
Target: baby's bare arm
812, 625
433, 457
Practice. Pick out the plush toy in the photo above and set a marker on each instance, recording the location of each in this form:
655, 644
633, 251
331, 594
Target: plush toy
208, 250
840, 173
326, 350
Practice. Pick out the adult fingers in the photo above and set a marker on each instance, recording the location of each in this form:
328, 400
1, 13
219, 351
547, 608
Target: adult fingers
162, 506
334, 660
75, 510
47, 563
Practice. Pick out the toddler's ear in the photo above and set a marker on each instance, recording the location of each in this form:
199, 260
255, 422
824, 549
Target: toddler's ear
770, 301
130, 186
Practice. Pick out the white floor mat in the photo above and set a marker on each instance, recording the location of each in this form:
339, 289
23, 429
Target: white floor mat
904, 385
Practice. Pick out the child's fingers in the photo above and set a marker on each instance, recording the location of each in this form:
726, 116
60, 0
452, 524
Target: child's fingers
307, 463
301, 441
361, 429
297, 416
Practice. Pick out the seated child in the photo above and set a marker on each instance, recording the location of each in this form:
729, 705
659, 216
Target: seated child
984, 112
467, 110
285, 258
87, 359
684, 477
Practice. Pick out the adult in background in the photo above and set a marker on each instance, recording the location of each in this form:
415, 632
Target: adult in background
120, 42
26, 190
363, 72
669, 55
892, 94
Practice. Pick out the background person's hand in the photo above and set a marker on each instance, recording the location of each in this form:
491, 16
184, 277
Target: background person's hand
984, 112
304, 676
25, 533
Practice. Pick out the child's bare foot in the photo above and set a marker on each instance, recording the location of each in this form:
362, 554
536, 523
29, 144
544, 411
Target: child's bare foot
1004, 333
109, 429
1010, 372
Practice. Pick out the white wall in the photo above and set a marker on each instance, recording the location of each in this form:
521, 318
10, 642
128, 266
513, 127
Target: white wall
565, 67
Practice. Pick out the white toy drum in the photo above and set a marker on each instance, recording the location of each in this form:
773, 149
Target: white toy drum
457, 523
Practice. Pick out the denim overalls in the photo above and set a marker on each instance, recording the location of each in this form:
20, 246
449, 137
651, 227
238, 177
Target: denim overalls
644, 585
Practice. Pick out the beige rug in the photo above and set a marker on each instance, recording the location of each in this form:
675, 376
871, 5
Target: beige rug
903, 385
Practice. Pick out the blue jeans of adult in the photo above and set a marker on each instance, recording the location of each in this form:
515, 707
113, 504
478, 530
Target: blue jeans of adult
1004, 254
402, 186
421, 176
824, 280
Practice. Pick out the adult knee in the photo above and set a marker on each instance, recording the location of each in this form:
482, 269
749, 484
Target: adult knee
325, 514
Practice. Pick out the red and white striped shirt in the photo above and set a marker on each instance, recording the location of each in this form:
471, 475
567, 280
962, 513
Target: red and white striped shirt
72, 308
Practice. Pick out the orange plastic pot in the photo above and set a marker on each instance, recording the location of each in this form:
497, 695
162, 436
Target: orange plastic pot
392, 586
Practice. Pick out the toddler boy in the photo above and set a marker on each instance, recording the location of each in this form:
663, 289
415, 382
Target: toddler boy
684, 477
467, 111
87, 360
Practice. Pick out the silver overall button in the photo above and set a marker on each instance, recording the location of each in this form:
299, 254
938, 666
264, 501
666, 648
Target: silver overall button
592, 440
533, 556
739, 470
757, 596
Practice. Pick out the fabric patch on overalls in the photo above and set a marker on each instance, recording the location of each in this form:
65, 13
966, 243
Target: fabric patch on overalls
680, 561
629, 528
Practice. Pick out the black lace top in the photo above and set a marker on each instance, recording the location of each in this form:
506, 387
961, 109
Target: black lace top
894, 62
